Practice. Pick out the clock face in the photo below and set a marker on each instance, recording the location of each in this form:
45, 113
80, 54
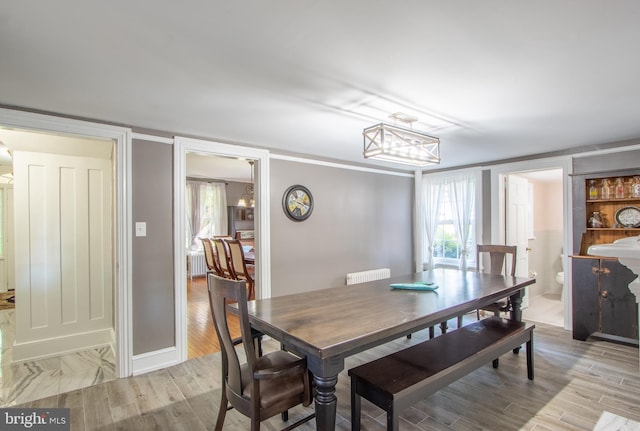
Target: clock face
297, 203
628, 217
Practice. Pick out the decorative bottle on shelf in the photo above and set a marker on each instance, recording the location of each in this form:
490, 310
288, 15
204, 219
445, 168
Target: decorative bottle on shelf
593, 190
635, 187
596, 220
619, 189
605, 190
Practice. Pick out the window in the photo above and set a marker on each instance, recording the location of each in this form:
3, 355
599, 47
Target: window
206, 211
450, 223
446, 245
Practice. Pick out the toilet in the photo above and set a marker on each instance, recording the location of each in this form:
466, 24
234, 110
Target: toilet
560, 275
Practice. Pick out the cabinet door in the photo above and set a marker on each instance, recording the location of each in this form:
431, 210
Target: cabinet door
585, 297
618, 308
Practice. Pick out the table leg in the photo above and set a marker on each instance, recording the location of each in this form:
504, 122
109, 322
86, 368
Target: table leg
516, 311
325, 402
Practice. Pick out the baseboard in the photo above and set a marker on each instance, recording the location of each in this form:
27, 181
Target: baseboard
64, 345
156, 360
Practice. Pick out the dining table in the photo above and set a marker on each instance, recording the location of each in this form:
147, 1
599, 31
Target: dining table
329, 325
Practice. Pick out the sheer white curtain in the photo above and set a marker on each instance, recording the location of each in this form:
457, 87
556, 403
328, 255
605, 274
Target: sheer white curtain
449, 205
431, 192
463, 193
206, 209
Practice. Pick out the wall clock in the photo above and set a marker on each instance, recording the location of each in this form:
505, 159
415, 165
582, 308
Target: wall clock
297, 203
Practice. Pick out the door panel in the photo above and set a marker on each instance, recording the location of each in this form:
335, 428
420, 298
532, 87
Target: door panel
63, 249
517, 221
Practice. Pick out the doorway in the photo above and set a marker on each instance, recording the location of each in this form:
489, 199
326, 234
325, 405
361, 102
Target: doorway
220, 202
64, 249
182, 148
540, 195
543, 235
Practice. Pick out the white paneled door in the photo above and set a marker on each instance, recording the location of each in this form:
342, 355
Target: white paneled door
64, 253
517, 222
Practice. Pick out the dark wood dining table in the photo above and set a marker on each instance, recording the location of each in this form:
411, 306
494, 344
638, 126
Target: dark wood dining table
331, 324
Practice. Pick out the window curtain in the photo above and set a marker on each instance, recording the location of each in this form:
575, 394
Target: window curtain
431, 192
463, 193
206, 209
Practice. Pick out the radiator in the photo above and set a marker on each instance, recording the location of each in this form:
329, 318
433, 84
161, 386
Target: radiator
196, 264
371, 275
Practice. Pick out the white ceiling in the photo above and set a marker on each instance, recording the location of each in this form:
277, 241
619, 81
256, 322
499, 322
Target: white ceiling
512, 78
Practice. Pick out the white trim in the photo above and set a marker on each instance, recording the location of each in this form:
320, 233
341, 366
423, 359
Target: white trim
156, 360
418, 211
122, 211
262, 223
339, 165
152, 138
498, 210
62, 345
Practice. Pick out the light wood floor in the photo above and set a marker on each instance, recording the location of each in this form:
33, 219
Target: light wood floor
574, 383
201, 336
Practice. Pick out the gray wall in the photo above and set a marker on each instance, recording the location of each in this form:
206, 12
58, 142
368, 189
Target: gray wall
360, 221
607, 162
152, 259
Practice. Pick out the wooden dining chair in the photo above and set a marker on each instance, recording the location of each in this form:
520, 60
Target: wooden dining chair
223, 257
265, 385
211, 257
498, 255
239, 265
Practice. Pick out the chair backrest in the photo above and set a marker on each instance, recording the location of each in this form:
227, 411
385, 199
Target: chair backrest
222, 292
236, 257
210, 257
223, 257
498, 255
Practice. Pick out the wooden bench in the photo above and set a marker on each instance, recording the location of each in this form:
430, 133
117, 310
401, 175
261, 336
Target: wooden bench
399, 380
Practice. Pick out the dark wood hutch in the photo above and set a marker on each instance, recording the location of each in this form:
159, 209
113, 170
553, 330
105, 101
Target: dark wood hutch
603, 305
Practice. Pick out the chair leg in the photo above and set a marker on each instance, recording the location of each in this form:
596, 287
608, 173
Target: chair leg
496, 363
443, 327
477, 314
460, 321
285, 415
432, 332
222, 412
530, 358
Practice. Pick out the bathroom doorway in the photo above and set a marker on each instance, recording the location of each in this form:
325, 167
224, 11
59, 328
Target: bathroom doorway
548, 233
544, 244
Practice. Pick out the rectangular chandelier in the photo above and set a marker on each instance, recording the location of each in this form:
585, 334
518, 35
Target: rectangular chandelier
396, 144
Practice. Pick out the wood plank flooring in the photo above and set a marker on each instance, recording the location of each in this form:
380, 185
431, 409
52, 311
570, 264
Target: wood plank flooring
201, 336
574, 383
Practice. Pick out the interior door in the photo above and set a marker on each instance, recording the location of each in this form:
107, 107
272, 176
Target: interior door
63, 252
517, 222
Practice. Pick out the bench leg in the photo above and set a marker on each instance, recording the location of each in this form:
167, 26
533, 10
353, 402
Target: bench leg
530, 357
355, 407
432, 332
392, 419
496, 363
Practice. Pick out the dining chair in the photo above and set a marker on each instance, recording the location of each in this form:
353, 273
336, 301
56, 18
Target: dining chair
211, 257
239, 265
263, 386
498, 255
223, 257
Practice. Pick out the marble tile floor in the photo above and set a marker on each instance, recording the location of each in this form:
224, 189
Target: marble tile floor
31, 380
545, 308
